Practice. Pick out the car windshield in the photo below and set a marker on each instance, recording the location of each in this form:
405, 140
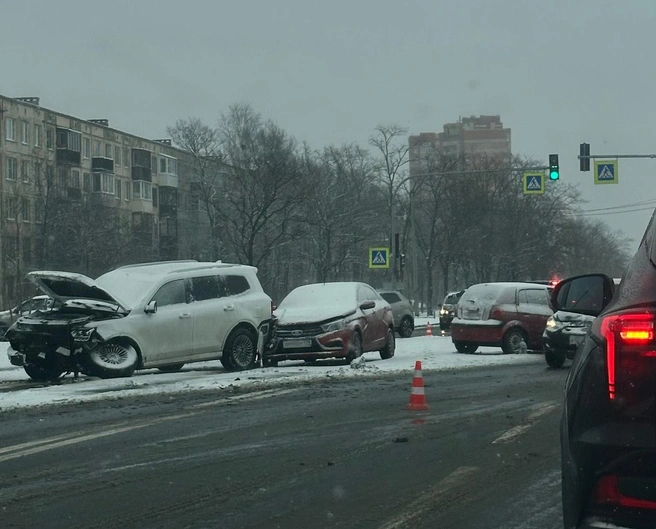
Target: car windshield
451, 299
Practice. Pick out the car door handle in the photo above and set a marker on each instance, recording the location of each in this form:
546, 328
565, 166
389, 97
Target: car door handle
185, 315
228, 308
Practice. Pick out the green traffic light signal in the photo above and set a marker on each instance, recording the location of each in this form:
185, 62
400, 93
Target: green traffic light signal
554, 168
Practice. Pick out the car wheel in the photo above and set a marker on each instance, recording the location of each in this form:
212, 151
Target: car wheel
387, 352
43, 372
555, 359
512, 341
113, 360
171, 369
465, 347
406, 328
356, 347
240, 352
269, 362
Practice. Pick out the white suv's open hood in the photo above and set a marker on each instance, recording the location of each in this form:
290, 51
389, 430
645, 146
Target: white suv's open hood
64, 286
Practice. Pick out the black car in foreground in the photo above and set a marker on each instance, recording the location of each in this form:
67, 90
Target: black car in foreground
608, 429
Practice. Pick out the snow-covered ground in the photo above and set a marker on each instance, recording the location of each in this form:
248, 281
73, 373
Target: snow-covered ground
435, 353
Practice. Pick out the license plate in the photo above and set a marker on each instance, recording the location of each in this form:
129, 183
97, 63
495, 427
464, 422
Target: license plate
576, 340
296, 344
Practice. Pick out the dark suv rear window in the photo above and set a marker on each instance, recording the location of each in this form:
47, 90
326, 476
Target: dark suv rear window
390, 297
236, 284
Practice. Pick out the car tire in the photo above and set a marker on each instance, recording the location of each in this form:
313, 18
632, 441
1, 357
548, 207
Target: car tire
43, 372
511, 341
240, 352
356, 349
407, 327
466, 347
171, 369
555, 359
387, 352
269, 362
113, 360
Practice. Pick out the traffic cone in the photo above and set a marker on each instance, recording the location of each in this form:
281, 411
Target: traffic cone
417, 395
429, 329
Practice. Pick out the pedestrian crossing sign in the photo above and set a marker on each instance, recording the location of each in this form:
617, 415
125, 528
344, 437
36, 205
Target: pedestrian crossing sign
379, 257
533, 183
606, 172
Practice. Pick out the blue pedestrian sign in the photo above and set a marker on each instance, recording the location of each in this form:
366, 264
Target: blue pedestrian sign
606, 172
379, 257
533, 183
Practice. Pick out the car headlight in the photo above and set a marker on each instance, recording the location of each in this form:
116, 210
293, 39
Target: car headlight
552, 323
82, 334
444, 311
334, 326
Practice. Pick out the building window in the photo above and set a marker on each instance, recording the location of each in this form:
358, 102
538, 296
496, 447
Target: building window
86, 148
153, 164
25, 134
10, 129
117, 156
142, 190
127, 190
96, 148
37, 135
75, 179
168, 165
154, 197
86, 182
37, 173
96, 182
38, 211
119, 188
107, 184
108, 151
126, 157
62, 176
50, 138
11, 208
11, 168
25, 210
25, 171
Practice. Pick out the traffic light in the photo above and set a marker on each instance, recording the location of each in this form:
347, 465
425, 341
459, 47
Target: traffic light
554, 168
584, 157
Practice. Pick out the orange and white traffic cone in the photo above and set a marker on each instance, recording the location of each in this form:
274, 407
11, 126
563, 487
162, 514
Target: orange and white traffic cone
417, 395
429, 329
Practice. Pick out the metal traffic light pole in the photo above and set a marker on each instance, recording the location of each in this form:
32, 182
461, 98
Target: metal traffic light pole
585, 156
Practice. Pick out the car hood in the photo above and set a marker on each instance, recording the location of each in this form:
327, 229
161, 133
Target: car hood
64, 286
286, 316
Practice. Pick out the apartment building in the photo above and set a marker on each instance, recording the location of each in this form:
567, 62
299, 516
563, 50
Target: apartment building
67, 181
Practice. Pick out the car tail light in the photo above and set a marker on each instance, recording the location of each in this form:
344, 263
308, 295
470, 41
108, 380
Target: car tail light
629, 340
607, 492
496, 313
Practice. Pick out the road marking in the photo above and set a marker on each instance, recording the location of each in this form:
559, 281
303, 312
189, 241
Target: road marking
41, 445
538, 411
427, 500
264, 394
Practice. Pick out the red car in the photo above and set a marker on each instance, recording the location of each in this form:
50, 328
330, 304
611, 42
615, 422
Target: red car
331, 320
501, 314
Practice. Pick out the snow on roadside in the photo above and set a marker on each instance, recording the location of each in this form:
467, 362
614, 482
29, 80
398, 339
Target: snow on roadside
435, 353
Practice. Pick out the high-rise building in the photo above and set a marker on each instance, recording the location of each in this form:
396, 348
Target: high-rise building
475, 135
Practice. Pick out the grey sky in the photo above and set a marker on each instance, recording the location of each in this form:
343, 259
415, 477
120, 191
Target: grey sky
558, 72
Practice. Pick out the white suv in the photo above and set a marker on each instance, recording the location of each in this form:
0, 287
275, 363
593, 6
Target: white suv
142, 316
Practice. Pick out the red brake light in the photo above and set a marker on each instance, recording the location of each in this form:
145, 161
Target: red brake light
623, 332
607, 492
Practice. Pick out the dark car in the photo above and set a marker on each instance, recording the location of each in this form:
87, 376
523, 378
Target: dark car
501, 314
448, 310
331, 320
404, 319
608, 429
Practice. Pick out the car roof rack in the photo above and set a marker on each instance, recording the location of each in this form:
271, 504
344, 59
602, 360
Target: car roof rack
137, 265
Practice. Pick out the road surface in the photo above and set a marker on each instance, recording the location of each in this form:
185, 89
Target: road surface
333, 453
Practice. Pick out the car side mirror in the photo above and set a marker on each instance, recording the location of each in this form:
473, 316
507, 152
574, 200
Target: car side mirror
151, 308
366, 305
587, 294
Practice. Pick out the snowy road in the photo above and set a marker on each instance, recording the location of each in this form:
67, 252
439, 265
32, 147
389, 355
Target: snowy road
334, 454
435, 353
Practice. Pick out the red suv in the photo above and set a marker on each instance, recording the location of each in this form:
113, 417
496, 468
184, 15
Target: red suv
501, 314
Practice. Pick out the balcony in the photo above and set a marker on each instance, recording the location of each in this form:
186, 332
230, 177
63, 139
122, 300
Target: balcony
68, 157
168, 180
102, 164
74, 193
141, 173
68, 147
166, 210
